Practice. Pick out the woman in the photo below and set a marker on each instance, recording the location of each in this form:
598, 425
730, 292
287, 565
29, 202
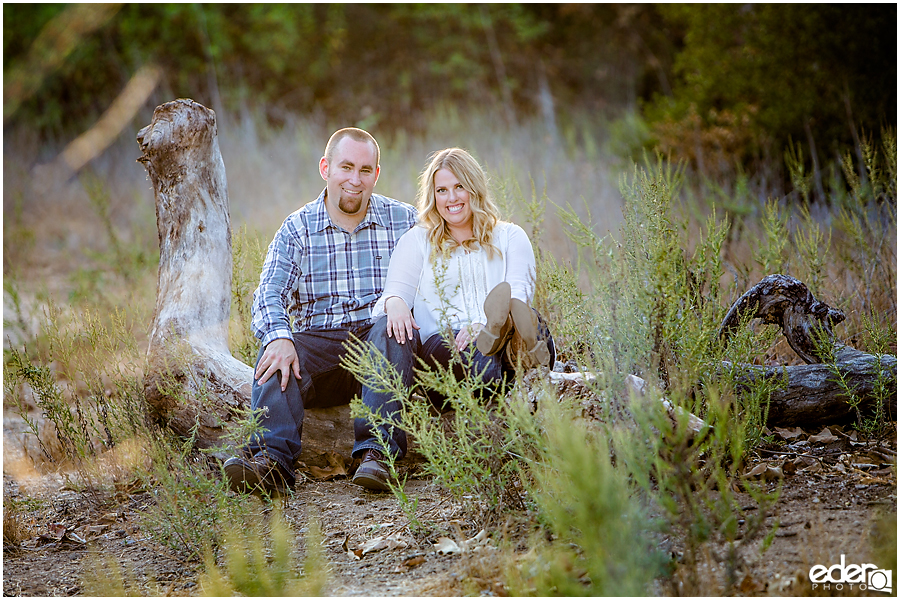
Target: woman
460, 268
463, 267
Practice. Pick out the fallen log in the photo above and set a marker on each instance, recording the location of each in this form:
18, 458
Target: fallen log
192, 383
856, 384
838, 383
782, 300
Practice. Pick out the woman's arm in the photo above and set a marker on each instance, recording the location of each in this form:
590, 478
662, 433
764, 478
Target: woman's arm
520, 263
401, 285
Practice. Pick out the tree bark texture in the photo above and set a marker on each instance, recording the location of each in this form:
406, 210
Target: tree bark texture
813, 394
837, 384
191, 377
786, 301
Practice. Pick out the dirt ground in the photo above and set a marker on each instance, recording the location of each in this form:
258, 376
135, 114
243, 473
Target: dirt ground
834, 488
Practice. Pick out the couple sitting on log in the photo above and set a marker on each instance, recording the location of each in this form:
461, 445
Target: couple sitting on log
355, 264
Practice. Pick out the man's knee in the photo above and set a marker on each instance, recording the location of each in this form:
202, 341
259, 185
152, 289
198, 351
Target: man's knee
270, 390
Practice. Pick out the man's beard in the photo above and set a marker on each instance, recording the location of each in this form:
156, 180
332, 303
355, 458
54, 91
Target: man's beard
350, 206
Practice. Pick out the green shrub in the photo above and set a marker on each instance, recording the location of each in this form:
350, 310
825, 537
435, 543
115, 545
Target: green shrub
247, 264
588, 505
192, 507
259, 561
467, 454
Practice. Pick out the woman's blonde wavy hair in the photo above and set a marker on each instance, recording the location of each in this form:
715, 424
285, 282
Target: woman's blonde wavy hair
485, 214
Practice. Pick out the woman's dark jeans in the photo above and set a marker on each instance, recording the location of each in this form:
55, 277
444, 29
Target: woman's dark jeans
436, 352
324, 382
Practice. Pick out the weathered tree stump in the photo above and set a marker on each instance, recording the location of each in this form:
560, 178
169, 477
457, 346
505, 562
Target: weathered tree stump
192, 380
812, 394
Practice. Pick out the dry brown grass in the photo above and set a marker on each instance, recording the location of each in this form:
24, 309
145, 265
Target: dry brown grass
14, 529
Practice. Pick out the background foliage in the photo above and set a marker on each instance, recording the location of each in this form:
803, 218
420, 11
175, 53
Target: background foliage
721, 82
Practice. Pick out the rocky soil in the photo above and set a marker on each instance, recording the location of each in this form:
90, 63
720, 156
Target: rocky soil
835, 485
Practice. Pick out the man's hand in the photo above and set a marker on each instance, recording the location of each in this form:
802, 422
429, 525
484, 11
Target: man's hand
280, 355
400, 322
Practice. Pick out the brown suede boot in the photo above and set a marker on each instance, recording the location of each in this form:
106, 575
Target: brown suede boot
524, 344
494, 334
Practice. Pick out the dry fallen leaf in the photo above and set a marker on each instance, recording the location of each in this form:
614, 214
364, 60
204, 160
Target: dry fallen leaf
813, 468
355, 554
748, 585
71, 536
774, 473
381, 543
374, 545
336, 468
57, 531
788, 434
765, 472
757, 470
409, 563
96, 529
447, 546
476, 542
824, 437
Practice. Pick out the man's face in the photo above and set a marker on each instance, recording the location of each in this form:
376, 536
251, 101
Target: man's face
350, 175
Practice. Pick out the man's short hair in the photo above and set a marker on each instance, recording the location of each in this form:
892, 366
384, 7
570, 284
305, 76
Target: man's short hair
355, 134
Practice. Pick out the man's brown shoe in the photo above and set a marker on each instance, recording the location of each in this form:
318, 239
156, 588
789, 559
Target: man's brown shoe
372, 473
258, 475
497, 330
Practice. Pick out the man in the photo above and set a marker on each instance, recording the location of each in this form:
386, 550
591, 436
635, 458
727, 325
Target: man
323, 272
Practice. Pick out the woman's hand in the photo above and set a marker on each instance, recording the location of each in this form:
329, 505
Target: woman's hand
467, 335
400, 322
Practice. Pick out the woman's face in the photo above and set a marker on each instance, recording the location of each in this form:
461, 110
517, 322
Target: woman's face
452, 202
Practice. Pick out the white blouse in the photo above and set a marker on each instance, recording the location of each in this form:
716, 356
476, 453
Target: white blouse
466, 278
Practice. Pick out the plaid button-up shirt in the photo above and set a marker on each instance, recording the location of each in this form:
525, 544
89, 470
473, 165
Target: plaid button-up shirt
317, 275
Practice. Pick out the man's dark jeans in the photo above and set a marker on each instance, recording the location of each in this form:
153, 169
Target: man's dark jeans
323, 383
